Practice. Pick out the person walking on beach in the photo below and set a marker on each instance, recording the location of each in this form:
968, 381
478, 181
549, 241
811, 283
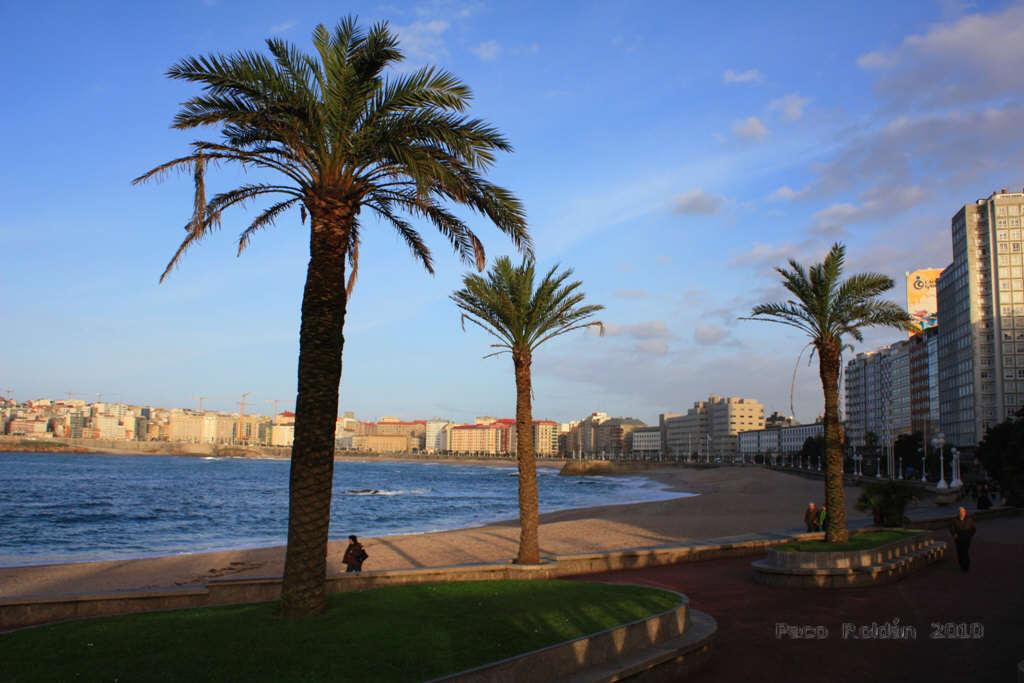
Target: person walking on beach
355, 555
811, 517
963, 530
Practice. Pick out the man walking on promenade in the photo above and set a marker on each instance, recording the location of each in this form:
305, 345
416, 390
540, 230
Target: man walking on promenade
963, 529
355, 555
811, 517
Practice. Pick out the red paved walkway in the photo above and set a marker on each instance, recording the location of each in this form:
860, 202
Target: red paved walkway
747, 649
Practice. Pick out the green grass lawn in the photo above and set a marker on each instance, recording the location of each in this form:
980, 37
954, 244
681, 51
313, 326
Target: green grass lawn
871, 539
399, 633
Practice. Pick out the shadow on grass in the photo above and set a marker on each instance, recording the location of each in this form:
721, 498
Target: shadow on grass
398, 633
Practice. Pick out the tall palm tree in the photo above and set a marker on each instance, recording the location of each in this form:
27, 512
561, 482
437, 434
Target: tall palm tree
344, 140
826, 308
506, 305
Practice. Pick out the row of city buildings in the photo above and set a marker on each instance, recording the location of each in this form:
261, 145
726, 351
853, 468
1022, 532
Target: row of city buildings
963, 372
76, 419
960, 373
717, 427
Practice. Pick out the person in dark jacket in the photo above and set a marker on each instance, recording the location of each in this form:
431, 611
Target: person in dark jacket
984, 502
355, 555
963, 529
811, 517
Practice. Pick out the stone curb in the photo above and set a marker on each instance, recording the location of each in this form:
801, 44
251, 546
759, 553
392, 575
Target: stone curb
849, 559
849, 569
35, 610
571, 659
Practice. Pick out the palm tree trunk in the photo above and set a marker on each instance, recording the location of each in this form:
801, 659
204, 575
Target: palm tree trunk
828, 368
529, 544
321, 341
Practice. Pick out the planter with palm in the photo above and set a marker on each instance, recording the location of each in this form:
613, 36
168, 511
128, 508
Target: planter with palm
827, 308
342, 141
521, 316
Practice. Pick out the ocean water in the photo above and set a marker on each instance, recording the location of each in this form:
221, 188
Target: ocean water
76, 508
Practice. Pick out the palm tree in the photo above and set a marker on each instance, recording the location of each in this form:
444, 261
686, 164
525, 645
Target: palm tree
506, 305
344, 140
826, 308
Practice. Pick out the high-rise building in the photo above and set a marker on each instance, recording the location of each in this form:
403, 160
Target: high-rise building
879, 393
545, 438
981, 319
613, 435
434, 436
646, 441
586, 433
710, 428
924, 382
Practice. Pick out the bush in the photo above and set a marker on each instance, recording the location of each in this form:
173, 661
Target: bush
887, 501
1001, 452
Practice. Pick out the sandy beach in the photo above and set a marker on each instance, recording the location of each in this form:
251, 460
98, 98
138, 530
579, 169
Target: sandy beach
732, 501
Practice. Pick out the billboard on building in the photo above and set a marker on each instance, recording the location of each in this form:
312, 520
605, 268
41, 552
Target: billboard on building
921, 300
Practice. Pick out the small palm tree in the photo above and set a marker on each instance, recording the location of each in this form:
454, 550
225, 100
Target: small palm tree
506, 305
342, 140
825, 308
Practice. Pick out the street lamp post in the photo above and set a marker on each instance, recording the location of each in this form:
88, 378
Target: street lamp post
938, 442
956, 483
924, 456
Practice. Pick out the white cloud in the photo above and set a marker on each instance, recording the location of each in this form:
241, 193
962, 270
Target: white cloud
750, 128
652, 347
973, 58
656, 329
748, 76
764, 254
647, 339
875, 203
697, 201
875, 60
283, 26
709, 335
487, 51
790, 107
422, 41
787, 194
630, 293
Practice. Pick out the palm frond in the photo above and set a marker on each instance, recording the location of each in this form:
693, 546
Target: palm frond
510, 307
335, 128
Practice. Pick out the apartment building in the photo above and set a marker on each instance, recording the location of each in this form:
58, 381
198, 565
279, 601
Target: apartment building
878, 393
764, 444
612, 436
710, 428
435, 433
981, 319
646, 441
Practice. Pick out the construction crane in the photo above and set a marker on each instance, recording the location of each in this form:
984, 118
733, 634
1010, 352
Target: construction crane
276, 402
241, 417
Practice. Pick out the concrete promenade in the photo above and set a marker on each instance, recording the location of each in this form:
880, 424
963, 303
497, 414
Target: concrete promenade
757, 624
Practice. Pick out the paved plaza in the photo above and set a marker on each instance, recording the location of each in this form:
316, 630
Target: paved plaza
768, 633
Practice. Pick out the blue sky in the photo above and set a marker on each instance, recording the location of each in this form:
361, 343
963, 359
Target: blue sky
671, 153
